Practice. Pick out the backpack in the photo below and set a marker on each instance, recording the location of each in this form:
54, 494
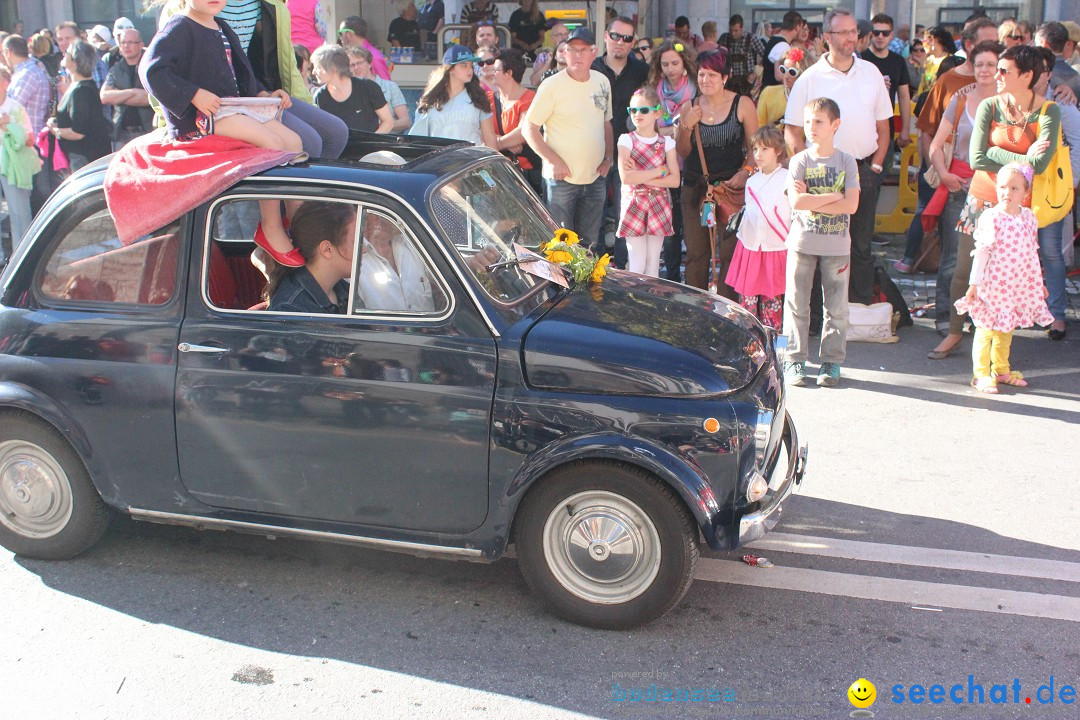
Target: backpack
1052, 192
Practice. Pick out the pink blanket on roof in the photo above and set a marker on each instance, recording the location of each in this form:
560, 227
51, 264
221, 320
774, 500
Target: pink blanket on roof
151, 183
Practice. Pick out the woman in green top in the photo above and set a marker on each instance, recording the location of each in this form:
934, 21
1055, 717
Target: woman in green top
1015, 126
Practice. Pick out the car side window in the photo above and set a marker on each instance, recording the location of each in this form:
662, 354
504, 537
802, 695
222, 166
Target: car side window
393, 274
91, 264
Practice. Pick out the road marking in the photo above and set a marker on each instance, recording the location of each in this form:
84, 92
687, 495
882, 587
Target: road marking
907, 592
920, 556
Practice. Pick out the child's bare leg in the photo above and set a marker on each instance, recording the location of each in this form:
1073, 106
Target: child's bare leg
272, 227
291, 140
250, 130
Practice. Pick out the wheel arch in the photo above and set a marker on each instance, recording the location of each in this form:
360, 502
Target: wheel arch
690, 485
17, 398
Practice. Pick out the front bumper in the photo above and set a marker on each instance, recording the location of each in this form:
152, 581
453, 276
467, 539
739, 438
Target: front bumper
757, 523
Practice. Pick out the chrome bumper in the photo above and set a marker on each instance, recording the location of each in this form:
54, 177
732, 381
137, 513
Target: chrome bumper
756, 524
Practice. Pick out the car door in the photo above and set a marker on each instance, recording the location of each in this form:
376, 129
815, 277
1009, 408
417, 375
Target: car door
378, 416
94, 323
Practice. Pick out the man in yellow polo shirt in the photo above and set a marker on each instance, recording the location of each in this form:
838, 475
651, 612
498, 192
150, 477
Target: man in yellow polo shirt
574, 109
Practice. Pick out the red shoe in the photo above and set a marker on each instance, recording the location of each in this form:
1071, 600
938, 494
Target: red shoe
293, 258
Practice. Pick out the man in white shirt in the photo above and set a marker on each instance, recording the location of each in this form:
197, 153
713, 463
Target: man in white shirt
865, 133
574, 109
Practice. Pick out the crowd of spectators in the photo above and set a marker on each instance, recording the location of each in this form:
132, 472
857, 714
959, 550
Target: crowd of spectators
556, 102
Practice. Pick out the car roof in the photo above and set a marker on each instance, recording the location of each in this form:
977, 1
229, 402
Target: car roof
368, 160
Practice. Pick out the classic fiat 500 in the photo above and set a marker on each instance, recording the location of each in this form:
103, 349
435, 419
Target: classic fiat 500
448, 401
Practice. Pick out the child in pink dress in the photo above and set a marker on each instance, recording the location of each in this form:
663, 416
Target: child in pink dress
648, 166
759, 266
1006, 287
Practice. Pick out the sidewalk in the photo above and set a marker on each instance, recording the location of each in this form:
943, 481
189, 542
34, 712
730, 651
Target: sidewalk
920, 289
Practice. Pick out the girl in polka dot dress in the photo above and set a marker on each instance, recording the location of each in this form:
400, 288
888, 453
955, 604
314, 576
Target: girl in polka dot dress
1006, 286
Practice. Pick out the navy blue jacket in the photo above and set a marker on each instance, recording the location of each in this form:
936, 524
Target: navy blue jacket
185, 56
299, 291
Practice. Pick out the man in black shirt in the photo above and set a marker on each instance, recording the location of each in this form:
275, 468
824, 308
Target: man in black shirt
779, 44
404, 30
894, 70
626, 74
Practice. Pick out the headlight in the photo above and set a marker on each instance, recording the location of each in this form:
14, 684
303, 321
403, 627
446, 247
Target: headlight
757, 488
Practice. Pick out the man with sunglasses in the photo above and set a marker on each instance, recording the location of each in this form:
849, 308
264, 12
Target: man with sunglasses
353, 32
894, 69
626, 74
865, 132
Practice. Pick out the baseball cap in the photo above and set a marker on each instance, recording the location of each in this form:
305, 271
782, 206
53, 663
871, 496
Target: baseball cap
122, 23
102, 32
584, 34
458, 54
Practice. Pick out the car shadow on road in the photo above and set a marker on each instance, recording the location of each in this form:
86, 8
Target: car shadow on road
478, 626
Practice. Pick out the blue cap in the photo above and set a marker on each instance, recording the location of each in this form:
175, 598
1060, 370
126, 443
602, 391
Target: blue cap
458, 54
582, 33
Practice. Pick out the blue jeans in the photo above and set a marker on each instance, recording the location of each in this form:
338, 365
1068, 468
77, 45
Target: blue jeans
1053, 264
322, 134
619, 255
915, 231
577, 207
18, 203
950, 240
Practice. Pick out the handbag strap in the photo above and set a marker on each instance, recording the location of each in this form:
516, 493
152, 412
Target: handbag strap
701, 151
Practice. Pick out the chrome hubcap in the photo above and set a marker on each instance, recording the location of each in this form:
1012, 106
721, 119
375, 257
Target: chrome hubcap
601, 547
35, 494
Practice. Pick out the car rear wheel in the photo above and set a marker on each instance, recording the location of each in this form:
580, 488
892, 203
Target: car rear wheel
606, 545
49, 509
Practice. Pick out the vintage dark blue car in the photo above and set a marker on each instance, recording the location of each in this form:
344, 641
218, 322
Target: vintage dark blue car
452, 405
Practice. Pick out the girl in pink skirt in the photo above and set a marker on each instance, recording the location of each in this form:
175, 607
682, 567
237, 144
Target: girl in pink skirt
648, 166
1006, 289
758, 266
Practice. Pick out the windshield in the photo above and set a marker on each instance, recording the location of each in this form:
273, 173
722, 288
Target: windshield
483, 212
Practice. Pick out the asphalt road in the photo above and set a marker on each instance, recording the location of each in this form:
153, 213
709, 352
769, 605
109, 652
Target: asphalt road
936, 539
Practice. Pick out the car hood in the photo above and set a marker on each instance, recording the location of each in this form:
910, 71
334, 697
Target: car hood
634, 335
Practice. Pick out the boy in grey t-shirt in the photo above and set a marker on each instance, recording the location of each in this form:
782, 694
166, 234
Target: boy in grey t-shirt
823, 188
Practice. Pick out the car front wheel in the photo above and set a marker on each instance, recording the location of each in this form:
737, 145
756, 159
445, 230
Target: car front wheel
606, 545
49, 509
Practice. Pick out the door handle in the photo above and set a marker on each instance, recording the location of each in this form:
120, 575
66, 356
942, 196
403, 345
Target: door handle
188, 347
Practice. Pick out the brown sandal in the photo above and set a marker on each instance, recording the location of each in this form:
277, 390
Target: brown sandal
938, 354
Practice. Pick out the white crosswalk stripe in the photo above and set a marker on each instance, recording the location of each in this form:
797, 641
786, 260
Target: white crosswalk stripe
925, 595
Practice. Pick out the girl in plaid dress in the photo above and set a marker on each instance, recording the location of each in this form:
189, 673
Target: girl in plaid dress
648, 166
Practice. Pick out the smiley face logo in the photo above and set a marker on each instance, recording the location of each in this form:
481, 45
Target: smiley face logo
862, 693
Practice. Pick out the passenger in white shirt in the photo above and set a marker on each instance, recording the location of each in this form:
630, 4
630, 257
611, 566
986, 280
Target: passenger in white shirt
392, 275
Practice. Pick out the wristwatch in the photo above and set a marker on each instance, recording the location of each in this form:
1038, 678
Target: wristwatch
876, 167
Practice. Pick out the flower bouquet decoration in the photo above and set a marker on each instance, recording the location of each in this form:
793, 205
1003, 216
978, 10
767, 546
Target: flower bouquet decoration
565, 249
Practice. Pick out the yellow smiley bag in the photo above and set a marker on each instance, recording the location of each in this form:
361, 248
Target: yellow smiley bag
1052, 189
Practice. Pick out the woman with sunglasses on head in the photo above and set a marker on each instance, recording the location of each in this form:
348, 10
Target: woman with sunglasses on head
454, 104
772, 103
1014, 126
722, 121
939, 45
